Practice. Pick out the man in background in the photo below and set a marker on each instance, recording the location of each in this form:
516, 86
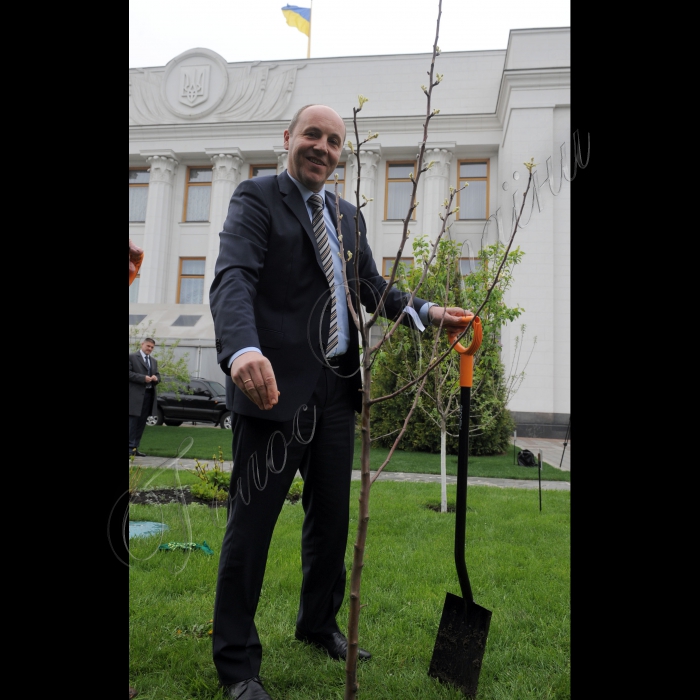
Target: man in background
143, 378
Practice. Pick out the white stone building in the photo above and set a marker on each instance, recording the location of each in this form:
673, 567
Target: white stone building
200, 125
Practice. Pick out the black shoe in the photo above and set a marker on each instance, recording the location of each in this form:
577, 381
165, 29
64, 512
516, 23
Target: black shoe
136, 453
249, 689
335, 644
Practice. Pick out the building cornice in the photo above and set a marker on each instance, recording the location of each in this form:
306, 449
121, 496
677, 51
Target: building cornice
226, 131
534, 81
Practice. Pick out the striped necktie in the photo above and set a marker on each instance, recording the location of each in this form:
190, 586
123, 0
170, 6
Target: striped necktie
324, 248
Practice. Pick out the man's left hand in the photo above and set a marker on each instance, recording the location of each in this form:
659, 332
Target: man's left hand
452, 317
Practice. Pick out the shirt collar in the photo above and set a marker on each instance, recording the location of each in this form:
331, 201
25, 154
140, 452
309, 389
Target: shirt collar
306, 192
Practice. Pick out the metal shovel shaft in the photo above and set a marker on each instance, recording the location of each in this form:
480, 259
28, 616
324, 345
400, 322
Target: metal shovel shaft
461, 505
464, 625
466, 378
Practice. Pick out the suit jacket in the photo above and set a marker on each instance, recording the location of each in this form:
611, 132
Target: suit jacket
137, 383
269, 291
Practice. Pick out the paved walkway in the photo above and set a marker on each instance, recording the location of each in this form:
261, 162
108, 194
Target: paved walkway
552, 451
551, 454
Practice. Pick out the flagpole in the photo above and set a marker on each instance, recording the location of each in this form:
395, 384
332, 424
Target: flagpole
308, 46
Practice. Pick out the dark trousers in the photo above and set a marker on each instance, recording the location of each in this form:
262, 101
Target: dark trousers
138, 423
266, 457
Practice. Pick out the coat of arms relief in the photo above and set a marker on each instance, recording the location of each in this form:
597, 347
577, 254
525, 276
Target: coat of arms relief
199, 85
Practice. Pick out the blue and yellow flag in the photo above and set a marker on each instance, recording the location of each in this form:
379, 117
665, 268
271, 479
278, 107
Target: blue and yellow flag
299, 17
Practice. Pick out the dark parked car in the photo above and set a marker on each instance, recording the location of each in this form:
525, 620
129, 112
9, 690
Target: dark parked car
204, 403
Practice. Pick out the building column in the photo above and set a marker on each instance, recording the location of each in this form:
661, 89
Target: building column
226, 174
435, 189
369, 160
156, 232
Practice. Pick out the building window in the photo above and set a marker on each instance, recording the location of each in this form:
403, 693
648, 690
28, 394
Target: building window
197, 194
473, 200
388, 266
468, 265
134, 290
138, 193
186, 320
258, 170
330, 182
191, 282
399, 188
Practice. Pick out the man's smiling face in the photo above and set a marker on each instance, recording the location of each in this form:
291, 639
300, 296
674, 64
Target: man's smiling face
315, 146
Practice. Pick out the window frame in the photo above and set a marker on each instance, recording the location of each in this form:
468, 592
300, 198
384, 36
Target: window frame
331, 180
414, 164
391, 260
461, 180
260, 165
189, 184
141, 184
180, 276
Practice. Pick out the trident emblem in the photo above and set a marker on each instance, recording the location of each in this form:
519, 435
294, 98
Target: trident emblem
194, 83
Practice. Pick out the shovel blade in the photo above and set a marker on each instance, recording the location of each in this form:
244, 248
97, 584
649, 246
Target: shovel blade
460, 644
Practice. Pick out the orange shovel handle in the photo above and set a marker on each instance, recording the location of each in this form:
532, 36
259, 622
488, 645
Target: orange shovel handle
466, 360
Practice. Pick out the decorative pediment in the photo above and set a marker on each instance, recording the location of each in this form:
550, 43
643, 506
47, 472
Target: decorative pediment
199, 85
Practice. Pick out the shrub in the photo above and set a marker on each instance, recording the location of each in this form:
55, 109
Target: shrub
295, 491
214, 483
408, 351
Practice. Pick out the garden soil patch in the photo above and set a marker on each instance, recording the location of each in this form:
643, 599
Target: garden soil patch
159, 497
438, 508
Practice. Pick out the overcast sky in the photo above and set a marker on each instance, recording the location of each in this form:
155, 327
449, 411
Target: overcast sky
160, 30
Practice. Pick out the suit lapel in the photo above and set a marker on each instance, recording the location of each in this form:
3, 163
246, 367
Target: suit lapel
293, 199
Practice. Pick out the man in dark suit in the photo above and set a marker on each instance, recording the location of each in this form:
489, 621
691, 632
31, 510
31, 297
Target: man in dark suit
290, 352
143, 378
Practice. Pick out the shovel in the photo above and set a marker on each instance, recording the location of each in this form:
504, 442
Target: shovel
464, 626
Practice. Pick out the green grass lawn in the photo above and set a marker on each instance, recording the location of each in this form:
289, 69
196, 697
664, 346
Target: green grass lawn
164, 440
519, 568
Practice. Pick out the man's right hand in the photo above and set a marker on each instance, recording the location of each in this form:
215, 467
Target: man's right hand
252, 373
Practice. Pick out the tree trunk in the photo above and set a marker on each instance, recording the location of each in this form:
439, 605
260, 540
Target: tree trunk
443, 467
359, 548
